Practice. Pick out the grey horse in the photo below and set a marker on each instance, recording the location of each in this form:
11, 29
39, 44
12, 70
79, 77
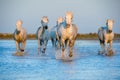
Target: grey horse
54, 33
20, 36
68, 33
42, 35
106, 35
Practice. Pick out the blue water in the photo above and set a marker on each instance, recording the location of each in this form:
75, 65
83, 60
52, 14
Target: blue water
85, 64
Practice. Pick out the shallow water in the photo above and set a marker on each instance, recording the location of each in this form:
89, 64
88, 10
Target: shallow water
85, 64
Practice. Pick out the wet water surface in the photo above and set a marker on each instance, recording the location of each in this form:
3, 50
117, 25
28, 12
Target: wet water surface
84, 65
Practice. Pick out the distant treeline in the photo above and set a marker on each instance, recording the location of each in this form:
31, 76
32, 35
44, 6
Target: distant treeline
89, 36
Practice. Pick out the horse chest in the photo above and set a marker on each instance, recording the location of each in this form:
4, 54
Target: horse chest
67, 32
19, 37
109, 36
45, 35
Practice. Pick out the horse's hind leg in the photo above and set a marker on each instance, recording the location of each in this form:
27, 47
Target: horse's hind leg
44, 45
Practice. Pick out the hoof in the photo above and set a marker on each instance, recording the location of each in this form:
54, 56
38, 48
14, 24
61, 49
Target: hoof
110, 53
63, 56
22, 50
43, 51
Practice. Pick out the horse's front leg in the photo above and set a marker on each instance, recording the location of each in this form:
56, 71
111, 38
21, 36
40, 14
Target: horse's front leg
71, 44
106, 48
23, 46
66, 43
45, 45
17, 46
110, 50
63, 48
111, 44
59, 43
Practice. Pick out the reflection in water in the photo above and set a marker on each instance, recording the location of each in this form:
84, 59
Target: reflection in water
85, 63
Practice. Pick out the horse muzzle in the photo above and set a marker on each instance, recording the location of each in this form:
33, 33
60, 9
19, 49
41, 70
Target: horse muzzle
46, 27
110, 31
67, 25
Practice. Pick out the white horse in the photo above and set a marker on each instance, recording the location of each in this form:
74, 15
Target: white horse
106, 35
54, 34
68, 32
20, 36
43, 35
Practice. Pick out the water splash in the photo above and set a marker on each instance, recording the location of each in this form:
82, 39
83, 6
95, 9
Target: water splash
58, 54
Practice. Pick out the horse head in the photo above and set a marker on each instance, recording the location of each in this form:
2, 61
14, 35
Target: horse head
18, 26
109, 24
68, 18
44, 22
59, 20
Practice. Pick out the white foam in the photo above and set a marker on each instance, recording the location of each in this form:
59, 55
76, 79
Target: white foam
58, 54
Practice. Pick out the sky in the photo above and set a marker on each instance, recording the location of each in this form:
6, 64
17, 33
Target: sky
89, 15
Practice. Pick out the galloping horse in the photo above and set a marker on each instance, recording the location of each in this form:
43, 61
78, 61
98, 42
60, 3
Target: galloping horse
43, 35
20, 36
106, 35
68, 32
54, 34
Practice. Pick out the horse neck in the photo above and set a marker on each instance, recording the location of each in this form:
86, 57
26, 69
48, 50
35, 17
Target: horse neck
20, 27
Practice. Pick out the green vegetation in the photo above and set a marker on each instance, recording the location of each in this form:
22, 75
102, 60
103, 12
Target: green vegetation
90, 36
10, 36
87, 36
